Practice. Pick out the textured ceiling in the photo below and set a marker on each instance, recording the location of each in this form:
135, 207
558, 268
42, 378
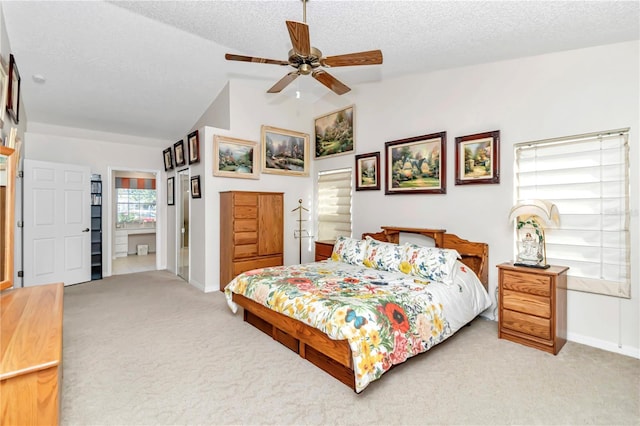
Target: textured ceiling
151, 68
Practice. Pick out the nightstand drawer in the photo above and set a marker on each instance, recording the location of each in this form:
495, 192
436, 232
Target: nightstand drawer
527, 283
526, 303
527, 324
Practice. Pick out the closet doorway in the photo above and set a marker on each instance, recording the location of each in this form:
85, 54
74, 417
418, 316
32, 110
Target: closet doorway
133, 209
183, 202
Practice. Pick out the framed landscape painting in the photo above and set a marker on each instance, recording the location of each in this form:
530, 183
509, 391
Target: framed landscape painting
368, 171
334, 133
416, 165
285, 152
478, 158
235, 158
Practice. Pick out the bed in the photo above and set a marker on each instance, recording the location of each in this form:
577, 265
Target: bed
373, 305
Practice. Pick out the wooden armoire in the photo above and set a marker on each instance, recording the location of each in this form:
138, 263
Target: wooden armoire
251, 232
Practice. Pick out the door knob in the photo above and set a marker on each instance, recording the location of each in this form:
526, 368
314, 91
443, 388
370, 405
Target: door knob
85, 230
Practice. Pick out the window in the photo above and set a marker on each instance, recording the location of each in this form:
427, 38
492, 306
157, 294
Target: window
587, 177
135, 202
334, 204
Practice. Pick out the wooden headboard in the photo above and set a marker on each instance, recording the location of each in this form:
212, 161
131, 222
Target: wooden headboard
474, 255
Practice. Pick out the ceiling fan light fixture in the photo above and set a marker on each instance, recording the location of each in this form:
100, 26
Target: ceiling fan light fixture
306, 59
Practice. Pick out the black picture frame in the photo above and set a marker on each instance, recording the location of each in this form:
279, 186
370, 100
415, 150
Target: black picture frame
196, 190
193, 140
167, 156
171, 192
13, 91
179, 154
368, 171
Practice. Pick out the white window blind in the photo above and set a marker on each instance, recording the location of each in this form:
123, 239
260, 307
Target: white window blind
334, 204
587, 177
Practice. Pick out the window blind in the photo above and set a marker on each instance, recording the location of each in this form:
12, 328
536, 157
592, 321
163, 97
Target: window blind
334, 204
587, 177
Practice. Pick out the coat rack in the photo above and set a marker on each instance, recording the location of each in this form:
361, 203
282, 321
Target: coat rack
300, 233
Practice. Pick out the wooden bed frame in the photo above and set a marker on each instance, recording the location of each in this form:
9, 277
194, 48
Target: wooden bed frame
334, 356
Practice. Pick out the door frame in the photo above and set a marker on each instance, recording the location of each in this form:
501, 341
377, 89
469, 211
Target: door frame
109, 238
179, 203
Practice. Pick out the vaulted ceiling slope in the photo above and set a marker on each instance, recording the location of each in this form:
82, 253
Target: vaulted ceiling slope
151, 68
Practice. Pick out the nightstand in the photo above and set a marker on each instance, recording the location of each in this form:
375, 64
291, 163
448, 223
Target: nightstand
533, 306
324, 250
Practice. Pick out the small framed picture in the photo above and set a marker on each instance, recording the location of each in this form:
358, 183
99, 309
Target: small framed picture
168, 159
194, 147
416, 165
334, 133
285, 152
13, 90
195, 187
478, 158
178, 149
235, 158
170, 191
368, 171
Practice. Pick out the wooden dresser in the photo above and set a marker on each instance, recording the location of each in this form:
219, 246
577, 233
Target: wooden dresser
533, 306
324, 249
31, 351
251, 232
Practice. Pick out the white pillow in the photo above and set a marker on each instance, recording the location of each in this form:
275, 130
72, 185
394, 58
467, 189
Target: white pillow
348, 250
432, 263
382, 255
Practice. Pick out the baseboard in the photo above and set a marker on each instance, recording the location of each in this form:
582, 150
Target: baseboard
604, 345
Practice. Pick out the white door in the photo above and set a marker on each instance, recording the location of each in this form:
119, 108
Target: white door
57, 220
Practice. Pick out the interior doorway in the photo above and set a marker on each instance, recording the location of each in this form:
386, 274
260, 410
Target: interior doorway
183, 202
132, 221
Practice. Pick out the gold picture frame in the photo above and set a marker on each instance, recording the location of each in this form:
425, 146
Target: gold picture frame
235, 158
284, 152
334, 133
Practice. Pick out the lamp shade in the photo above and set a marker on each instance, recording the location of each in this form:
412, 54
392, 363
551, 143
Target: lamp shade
542, 209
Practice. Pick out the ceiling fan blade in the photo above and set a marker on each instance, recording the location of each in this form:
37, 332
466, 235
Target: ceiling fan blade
284, 82
299, 34
233, 57
370, 57
330, 81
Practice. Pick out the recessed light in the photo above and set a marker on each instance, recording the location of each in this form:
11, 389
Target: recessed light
39, 78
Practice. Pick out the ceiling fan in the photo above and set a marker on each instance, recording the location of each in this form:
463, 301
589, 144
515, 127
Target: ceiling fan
309, 60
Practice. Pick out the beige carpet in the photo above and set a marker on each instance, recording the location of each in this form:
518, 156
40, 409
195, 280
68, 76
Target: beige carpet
149, 349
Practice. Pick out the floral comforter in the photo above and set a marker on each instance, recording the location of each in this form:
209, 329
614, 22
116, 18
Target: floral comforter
386, 317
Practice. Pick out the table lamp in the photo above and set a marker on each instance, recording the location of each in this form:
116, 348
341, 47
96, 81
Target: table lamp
531, 216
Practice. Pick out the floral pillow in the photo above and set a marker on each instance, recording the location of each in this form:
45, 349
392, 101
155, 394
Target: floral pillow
383, 256
348, 250
432, 263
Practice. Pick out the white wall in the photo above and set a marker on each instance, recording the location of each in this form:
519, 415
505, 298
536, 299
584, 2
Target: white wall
526, 99
250, 108
102, 152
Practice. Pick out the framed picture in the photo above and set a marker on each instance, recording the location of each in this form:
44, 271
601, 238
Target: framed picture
178, 150
235, 158
334, 133
368, 171
195, 187
285, 152
416, 165
168, 159
170, 191
478, 158
13, 90
4, 87
194, 147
